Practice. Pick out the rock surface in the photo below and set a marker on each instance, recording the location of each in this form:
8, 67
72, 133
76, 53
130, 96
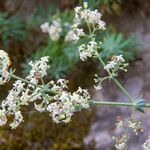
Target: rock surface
137, 83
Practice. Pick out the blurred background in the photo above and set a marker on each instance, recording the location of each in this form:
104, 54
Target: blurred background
128, 33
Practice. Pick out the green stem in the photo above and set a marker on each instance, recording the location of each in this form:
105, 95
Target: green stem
123, 89
117, 82
108, 103
28, 82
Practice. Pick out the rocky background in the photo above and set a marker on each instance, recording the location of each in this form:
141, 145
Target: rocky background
132, 20
90, 129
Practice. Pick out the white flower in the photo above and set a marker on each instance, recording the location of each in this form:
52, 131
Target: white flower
71, 36
18, 85
55, 30
25, 97
89, 16
3, 119
101, 25
36, 94
67, 103
136, 126
64, 97
117, 63
4, 64
120, 58
146, 145
88, 50
17, 120
39, 70
110, 65
74, 34
85, 5
13, 98
61, 104
53, 107
44, 27
98, 87
39, 107
120, 142
62, 83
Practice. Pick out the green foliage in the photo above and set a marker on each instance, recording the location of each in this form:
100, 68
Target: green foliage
41, 14
107, 5
116, 44
63, 55
11, 28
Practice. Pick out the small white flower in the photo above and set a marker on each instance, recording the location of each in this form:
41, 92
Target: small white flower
55, 30
3, 119
24, 98
39, 107
4, 65
110, 65
146, 145
120, 142
136, 126
98, 87
120, 58
53, 107
39, 70
89, 16
74, 34
117, 63
62, 83
88, 50
44, 27
17, 120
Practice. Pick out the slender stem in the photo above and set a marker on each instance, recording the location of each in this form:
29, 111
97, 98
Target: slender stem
89, 28
108, 103
117, 82
123, 89
28, 82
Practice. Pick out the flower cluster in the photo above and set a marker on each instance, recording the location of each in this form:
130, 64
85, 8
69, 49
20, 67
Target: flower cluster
146, 145
135, 126
116, 63
51, 97
74, 34
88, 50
84, 15
120, 142
39, 69
54, 30
22, 94
66, 103
4, 65
88, 16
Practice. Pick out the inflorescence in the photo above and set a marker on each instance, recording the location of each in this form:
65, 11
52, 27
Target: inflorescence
51, 97
54, 97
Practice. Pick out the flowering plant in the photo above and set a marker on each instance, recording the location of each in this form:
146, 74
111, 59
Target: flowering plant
54, 97
59, 31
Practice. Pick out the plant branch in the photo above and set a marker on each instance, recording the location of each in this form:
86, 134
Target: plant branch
28, 82
117, 82
108, 103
